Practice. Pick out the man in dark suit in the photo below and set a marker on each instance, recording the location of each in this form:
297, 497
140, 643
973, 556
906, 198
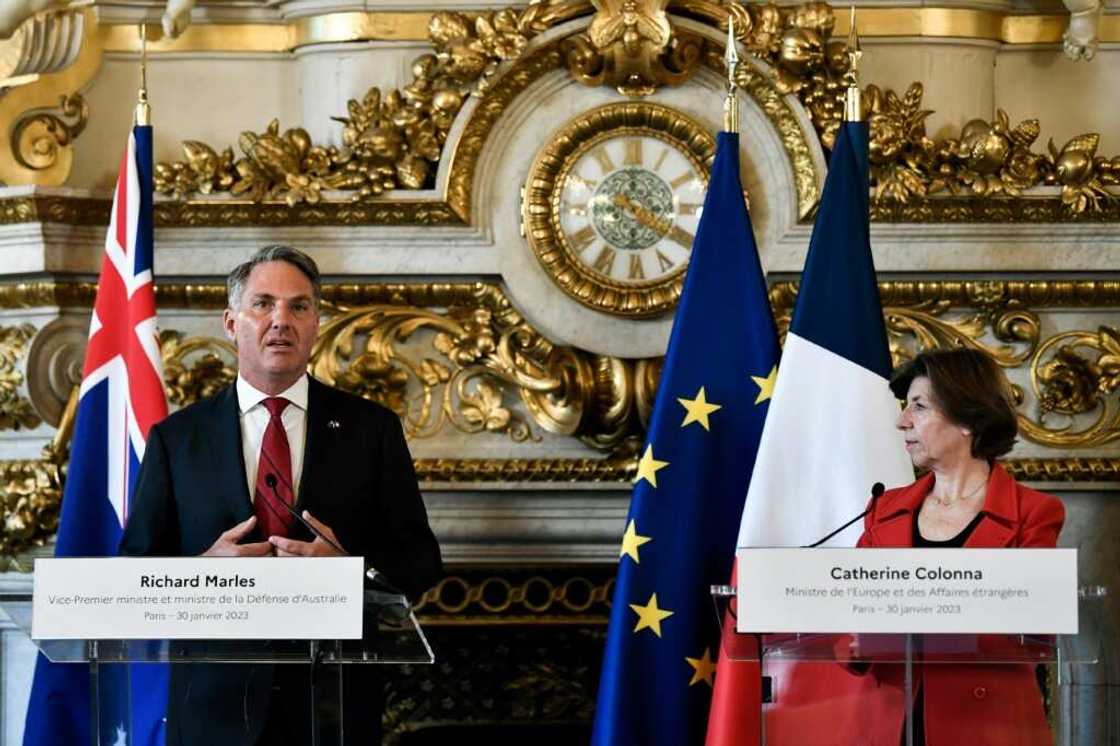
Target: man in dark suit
212, 474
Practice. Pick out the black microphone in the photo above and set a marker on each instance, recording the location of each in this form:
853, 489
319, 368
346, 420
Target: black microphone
377, 582
271, 481
877, 490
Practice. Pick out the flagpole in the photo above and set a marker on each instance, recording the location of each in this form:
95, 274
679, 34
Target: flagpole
852, 107
731, 103
143, 110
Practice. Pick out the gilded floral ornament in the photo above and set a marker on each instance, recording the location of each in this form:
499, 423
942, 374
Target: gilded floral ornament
390, 140
631, 46
30, 500
394, 139
987, 159
1076, 374
15, 409
467, 366
196, 367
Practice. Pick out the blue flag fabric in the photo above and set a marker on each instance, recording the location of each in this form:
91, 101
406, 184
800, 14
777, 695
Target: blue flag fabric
684, 515
839, 277
121, 397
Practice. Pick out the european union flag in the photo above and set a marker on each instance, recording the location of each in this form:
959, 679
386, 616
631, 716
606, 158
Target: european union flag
692, 480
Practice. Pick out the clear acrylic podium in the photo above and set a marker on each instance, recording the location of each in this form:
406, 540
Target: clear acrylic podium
808, 679
391, 635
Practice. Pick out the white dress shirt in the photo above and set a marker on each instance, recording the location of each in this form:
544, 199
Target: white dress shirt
254, 418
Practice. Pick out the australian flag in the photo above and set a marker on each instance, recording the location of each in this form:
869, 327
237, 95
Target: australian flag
692, 479
121, 397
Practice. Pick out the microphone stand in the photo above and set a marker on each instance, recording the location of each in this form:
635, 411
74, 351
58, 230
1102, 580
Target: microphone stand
877, 491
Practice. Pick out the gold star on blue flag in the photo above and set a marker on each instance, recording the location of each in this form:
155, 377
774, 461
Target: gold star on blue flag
722, 355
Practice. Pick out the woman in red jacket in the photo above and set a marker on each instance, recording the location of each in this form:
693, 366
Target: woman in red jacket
959, 418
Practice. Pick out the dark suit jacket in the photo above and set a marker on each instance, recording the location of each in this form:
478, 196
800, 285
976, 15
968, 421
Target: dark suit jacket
357, 478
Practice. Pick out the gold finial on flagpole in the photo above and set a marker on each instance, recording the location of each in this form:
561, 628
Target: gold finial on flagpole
143, 110
852, 108
731, 103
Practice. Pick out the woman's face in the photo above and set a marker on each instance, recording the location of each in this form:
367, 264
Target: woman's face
931, 438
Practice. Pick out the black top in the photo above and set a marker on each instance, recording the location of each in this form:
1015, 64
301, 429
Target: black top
954, 543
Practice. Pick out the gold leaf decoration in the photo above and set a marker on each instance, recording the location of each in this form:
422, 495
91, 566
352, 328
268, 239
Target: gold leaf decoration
1076, 373
16, 410
390, 139
986, 159
30, 498
196, 367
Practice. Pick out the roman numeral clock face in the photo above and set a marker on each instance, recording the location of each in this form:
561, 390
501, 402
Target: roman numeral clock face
613, 219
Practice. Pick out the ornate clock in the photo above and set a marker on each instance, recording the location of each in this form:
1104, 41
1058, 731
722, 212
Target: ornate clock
611, 206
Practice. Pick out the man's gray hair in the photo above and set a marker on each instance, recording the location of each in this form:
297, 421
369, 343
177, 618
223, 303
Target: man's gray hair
235, 283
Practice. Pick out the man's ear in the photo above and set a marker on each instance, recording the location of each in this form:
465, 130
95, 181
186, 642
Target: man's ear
228, 324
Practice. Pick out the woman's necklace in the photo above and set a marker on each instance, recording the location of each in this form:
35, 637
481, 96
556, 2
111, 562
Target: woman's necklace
947, 501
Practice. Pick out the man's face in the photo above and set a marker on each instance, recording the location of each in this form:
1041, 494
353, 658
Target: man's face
274, 326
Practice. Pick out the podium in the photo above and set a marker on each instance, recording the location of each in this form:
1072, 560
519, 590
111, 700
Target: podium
391, 636
826, 686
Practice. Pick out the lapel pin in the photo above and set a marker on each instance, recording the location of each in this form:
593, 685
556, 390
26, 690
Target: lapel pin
333, 424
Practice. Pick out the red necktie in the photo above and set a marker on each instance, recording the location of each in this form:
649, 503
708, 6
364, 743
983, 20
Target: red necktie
276, 462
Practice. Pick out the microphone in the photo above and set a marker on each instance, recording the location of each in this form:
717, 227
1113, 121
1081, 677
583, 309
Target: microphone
378, 583
271, 481
877, 490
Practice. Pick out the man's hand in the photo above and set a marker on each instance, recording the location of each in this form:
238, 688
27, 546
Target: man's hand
228, 544
317, 548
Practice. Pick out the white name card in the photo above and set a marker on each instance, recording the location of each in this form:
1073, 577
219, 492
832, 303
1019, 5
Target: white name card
198, 598
966, 591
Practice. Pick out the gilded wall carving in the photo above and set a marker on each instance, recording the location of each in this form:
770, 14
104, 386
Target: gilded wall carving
1073, 375
1076, 373
30, 497
42, 66
393, 139
15, 409
460, 356
524, 598
196, 367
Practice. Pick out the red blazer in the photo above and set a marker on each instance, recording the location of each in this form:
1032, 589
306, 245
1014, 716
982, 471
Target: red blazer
981, 705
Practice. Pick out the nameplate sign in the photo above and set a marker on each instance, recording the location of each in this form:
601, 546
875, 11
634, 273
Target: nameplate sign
967, 591
198, 598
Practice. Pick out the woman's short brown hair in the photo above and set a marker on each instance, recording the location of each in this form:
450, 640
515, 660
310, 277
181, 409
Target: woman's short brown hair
971, 390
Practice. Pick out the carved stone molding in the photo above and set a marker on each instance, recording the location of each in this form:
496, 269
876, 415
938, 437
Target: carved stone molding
44, 44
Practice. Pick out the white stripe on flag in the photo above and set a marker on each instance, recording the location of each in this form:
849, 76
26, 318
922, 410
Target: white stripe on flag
829, 436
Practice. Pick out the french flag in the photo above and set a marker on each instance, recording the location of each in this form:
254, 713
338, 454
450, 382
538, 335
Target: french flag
829, 436
830, 433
